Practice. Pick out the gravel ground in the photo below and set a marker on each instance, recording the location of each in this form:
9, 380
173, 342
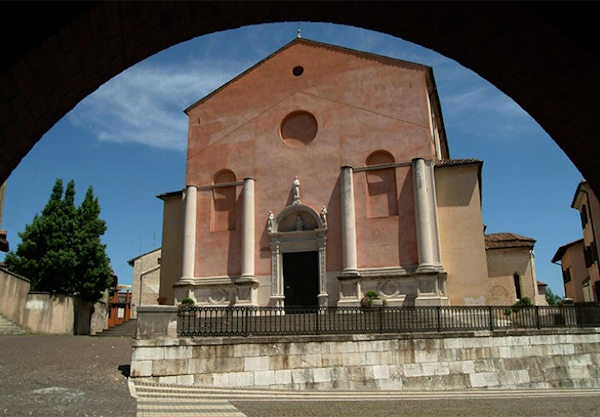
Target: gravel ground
47, 375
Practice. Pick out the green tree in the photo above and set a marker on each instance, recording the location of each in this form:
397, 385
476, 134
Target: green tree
60, 250
93, 268
551, 298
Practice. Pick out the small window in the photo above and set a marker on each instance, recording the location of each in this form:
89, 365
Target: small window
298, 71
567, 275
517, 280
584, 216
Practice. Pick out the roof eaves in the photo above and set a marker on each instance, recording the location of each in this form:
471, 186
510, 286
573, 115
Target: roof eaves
170, 194
132, 260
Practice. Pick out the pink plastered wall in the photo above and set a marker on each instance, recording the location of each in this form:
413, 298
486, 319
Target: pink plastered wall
361, 104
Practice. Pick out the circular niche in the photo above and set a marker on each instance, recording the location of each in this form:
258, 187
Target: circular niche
298, 129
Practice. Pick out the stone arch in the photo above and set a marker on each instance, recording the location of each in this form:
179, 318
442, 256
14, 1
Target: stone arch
287, 219
77, 48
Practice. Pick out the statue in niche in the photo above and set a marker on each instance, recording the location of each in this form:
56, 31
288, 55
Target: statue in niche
324, 216
296, 188
270, 221
299, 223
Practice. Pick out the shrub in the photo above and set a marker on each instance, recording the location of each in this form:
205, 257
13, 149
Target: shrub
187, 302
523, 302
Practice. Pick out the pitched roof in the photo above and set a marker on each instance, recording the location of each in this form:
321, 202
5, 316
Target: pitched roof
561, 251
132, 260
507, 240
170, 194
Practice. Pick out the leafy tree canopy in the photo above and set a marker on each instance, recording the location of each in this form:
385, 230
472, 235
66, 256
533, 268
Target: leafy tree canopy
551, 298
61, 250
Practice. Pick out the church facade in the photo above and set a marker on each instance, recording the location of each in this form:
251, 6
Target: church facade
316, 175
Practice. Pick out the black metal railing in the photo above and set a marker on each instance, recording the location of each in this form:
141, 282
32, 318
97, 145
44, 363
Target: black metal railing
270, 321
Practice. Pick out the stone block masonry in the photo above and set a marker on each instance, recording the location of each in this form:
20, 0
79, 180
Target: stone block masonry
478, 360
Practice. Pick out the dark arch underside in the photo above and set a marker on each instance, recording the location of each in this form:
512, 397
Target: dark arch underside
540, 54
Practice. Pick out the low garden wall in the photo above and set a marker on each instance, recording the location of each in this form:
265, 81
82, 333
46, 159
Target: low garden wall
42, 312
502, 359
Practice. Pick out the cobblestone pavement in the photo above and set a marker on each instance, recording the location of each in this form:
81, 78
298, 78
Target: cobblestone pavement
45, 375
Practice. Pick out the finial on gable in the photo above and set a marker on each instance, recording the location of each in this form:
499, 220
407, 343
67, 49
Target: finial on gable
299, 34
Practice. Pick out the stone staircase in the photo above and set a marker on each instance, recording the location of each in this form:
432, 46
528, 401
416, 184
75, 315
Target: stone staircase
8, 327
126, 329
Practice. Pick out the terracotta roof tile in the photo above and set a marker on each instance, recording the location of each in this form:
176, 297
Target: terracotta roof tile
507, 240
456, 162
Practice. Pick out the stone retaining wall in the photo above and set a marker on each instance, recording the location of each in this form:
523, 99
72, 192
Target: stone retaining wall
494, 360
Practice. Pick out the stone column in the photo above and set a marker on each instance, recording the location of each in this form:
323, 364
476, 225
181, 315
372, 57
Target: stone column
189, 236
350, 263
248, 229
423, 214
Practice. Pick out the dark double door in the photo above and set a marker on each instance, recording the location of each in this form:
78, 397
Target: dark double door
301, 278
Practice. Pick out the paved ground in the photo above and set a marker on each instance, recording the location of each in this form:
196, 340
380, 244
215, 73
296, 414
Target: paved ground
85, 376
44, 375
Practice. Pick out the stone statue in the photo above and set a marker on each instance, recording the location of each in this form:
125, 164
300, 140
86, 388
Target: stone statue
324, 216
270, 221
299, 223
296, 185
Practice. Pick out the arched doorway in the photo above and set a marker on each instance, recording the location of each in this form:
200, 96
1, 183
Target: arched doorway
298, 269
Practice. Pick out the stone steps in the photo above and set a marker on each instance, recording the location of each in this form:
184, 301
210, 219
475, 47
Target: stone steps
193, 393
8, 327
126, 329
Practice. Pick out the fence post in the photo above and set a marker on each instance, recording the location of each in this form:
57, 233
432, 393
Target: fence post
491, 315
318, 311
537, 317
439, 318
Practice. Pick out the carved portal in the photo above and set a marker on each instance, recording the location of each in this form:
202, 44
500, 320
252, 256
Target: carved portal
297, 228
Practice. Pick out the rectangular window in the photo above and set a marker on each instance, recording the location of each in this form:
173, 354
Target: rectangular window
584, 216
517, 280
587, 255
567, 275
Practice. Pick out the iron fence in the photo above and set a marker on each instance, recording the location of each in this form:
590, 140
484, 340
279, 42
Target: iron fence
271, 321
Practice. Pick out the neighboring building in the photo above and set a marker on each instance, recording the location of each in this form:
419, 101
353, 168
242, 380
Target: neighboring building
511, 269
575, 274
119, 310
587, 204
146, 280
4, 247
321, 173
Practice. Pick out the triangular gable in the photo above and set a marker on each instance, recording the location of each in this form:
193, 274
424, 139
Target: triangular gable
426, 71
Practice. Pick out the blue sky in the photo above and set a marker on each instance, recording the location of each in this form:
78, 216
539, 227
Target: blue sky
128, 139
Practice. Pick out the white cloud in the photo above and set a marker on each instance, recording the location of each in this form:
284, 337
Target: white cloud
144, 105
